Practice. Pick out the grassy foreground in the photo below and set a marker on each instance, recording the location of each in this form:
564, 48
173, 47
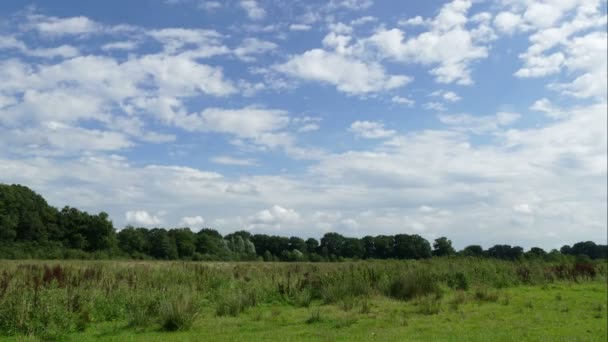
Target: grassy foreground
436, 300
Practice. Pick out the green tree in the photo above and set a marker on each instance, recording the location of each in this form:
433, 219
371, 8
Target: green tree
443, 247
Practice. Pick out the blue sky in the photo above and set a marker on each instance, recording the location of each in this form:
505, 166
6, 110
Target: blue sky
483, 121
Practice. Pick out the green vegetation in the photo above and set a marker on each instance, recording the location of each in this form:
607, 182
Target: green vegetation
31, 229
419, 292
451, 298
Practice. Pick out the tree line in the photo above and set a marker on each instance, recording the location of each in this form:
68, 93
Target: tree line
30, 228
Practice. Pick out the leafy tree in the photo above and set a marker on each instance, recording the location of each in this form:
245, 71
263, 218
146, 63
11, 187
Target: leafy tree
383, 245
536, 253
161, 245
132, 240
184, 242
333, 243
312, 245
473, 251
443, 247
297, 243
411, 247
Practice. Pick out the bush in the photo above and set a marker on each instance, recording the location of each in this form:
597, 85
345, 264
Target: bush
178, 313
458, 281
233, 303
415, 284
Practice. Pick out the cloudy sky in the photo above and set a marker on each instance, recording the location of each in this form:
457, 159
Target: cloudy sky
484, 121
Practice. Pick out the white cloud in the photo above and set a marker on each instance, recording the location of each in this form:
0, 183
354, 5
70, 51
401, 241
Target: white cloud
210, 6
437, 106
142, 217
122, 45
227, 160
449, 96
63, 26
507, 22
253, 46
299, 27
479, 124
200, 43
363, 20
192, 221
273, 218
403, 100
248, 122
64, 51
370, 130
348, 75
351, 4
523, 208
253, 9
415, 21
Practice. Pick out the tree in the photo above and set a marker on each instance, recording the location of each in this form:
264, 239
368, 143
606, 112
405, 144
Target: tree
161, 245
443, 247
383, 246
536, 253
185, 241
297, 243
411, 247
333, 242
132, 240
312, 245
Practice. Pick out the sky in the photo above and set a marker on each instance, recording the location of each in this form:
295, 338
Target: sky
482, 121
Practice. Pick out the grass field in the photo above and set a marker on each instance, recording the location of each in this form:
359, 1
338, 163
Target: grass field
437, 300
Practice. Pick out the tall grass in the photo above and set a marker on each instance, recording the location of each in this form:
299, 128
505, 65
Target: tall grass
51, 299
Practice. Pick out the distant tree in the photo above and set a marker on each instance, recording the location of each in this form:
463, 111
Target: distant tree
353, 248
333, 243
185, 242
383, 246
411, 247
297, 243
566, 250
132, 240
505, 252
369, 249
161, 245
443, 247
536, 253
312, 245
473, 251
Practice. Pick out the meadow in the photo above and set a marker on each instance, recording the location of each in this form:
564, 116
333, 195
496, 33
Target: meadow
455, 298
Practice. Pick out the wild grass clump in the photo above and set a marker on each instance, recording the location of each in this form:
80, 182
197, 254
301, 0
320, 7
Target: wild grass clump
483, 294
235, 302
178, 313
429, 305
457, 281
406, 286
315, 316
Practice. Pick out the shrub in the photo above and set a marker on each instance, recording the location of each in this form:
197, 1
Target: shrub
415, 284
178, 313
429, 305
233, 303
483, 294
458, 281
315, 316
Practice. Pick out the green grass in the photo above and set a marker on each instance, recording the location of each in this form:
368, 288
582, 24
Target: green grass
391, 320
160, 301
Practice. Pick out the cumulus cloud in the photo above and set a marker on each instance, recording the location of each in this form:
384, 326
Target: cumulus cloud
273, 218
192, 221
227, 160
141, 217
253, 9
370, 130
403, 100
348, 75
